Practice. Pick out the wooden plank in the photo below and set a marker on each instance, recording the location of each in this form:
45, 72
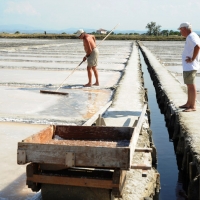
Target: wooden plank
69, 159
140, 166
94, 133
146, 165
122, 180
136, 132
119, 177
143, 150
42, 137
32, 169
82, 182
85, 156
21, 157
96, 115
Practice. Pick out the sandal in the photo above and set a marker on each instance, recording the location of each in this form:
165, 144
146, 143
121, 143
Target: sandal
189, 110
183, 106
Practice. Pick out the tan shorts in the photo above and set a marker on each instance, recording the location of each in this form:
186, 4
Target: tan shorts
92, 60
189, 76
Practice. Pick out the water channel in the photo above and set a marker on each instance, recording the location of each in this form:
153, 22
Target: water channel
171, 187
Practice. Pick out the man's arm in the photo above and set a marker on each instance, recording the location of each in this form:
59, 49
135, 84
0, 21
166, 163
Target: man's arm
195, 53
87, 48
94, 38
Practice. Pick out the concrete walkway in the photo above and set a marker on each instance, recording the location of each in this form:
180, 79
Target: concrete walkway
183, 126
126, 108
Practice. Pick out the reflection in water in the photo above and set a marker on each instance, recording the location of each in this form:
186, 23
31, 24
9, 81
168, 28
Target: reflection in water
96, 99
79, 103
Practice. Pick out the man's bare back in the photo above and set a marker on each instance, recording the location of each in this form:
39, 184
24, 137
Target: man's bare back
89, 43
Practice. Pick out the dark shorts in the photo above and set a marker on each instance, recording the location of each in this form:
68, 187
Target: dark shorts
189, 76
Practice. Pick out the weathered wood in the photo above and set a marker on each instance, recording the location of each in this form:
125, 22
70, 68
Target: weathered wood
106, 147
116, 180
146, 165
42, 137
93, 133
136, 132
31, 169
85, 156
96, 115
119, 177
70, 159
21, 157
122, 180
52, 167
140, 166
83, 182
143, 150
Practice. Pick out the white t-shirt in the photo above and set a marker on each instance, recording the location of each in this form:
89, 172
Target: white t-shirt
191, 41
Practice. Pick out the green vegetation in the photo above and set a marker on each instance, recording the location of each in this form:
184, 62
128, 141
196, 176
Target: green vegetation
121, 36
154, 33
155, 30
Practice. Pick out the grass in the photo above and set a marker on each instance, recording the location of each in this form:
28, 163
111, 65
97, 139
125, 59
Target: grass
98, 37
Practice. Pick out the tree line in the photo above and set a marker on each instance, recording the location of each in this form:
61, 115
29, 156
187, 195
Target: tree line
155, 30
152, 30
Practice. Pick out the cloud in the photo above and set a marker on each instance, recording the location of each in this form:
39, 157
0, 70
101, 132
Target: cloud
20, 8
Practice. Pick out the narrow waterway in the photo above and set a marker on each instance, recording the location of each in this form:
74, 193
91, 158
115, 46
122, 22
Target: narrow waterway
167, 167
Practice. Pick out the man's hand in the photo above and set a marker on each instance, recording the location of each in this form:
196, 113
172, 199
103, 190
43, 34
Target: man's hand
195, 53
188, 60
84, 58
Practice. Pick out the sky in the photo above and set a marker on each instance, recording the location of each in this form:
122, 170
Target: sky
95, 14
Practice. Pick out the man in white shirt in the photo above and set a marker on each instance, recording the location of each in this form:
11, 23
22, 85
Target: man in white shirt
190, 62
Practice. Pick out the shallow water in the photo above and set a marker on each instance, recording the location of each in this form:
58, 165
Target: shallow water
28, 66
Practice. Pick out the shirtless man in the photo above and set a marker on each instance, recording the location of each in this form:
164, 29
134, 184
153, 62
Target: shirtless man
91, 56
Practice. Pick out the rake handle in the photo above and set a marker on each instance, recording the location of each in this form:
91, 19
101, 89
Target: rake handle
70, 75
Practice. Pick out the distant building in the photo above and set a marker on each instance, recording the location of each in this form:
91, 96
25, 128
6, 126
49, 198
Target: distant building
101, 31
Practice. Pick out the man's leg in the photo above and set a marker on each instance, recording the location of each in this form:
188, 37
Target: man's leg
192, 93
189, 79
89, 72
96, 74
